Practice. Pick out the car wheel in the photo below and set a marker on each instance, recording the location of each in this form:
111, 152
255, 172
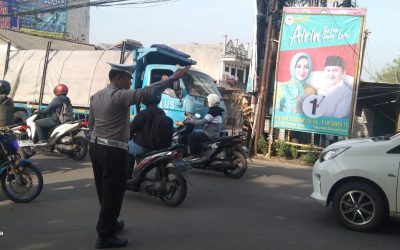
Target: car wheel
359, 206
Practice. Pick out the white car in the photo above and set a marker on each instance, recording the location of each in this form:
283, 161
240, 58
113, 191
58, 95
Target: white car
360, 177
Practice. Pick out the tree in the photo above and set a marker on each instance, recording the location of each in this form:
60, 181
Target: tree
390, 74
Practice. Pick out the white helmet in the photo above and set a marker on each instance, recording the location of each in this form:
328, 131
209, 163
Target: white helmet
213, 100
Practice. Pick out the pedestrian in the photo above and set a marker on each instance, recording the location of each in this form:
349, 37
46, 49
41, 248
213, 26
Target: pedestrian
109, 123
6, 104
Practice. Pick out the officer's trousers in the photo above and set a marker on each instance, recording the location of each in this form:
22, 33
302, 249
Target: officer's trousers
109, 168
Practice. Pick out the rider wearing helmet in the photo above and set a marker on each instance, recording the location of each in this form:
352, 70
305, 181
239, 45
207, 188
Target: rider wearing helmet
52, 112
212, 123
143, 131
6, 104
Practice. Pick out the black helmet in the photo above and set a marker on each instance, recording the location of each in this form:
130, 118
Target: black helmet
5, 87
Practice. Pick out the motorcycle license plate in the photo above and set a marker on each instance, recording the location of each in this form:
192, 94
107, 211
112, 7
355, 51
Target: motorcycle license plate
182, 165
26, 143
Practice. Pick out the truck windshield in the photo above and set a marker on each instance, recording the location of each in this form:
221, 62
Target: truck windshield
199, 84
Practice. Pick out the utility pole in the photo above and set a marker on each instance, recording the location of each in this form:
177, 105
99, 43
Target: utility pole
46, 62
259, 122
357, 82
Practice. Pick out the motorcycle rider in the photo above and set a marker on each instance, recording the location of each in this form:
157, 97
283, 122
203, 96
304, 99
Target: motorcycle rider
6, 104
139, 142
212, 123
51, 112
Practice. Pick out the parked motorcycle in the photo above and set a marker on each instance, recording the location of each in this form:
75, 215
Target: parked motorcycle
225, 154
20, 180
159, 174
67, 138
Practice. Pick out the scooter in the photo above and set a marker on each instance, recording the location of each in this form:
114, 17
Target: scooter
67, 138
160, 174
225, 154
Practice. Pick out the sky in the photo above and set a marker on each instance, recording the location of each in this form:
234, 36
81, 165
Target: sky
207, 21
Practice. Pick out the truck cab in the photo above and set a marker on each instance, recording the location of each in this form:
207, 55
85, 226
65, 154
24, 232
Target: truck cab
155, 63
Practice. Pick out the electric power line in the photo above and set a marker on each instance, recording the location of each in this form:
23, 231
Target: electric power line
56, 8
137, 7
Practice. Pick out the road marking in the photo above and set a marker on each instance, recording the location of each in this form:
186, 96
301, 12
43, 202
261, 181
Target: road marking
1, 233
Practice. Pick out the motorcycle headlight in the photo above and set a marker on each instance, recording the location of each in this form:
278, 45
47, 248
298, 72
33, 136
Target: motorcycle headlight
332, 153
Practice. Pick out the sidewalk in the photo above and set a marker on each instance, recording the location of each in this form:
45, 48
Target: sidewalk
259, 159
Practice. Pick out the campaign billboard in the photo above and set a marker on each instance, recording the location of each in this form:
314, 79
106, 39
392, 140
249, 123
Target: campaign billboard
317, 69
51, 24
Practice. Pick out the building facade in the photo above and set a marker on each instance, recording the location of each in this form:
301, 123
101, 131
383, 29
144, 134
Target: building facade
62, 23
228, 64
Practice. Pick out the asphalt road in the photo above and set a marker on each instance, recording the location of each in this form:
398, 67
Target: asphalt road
269, 208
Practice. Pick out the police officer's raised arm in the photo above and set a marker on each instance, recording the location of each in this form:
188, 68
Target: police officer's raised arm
148, 93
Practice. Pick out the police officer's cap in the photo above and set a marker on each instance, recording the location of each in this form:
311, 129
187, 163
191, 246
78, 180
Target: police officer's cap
127, 68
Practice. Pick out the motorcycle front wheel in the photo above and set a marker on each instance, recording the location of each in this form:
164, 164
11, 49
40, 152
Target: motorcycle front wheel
176, 188
24, 185
81, 149
238, 166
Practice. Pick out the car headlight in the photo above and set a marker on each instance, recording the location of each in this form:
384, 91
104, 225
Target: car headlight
332, 153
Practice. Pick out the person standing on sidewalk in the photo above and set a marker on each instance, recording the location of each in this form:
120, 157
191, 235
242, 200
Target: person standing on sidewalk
109, 123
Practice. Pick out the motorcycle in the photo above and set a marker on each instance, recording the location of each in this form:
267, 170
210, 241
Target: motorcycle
225, 154
160, 174
67, 138
20, 180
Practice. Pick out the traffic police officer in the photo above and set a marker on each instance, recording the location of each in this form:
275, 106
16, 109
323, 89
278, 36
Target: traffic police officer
109, 123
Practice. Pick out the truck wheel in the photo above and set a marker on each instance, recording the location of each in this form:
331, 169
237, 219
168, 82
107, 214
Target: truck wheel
20, 116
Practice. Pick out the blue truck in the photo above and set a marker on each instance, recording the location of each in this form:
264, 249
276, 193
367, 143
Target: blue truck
152, 64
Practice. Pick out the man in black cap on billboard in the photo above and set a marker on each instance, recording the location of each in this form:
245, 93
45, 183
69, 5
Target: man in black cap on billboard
109, 123
337, 90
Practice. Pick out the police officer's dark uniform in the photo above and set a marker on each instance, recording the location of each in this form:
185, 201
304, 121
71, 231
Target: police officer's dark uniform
109, 122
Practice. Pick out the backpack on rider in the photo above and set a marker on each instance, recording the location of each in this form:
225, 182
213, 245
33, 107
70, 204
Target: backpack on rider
161, 131
66, 113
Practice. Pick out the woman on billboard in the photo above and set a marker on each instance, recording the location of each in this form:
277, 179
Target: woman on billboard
292, 93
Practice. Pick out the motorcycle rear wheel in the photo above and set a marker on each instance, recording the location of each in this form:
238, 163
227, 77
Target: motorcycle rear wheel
239, 166
25, 190
81, 150
176, 188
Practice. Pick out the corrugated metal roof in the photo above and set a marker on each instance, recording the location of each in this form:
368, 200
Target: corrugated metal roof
372, 93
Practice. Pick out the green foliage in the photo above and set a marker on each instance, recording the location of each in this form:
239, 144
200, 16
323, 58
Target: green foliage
283, 149
391, 73
293, 152
262, 146
309, 157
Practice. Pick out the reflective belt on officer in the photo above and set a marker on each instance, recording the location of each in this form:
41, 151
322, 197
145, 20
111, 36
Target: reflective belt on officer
109, 142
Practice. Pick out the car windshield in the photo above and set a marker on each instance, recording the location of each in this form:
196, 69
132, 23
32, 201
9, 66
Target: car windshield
199, 84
